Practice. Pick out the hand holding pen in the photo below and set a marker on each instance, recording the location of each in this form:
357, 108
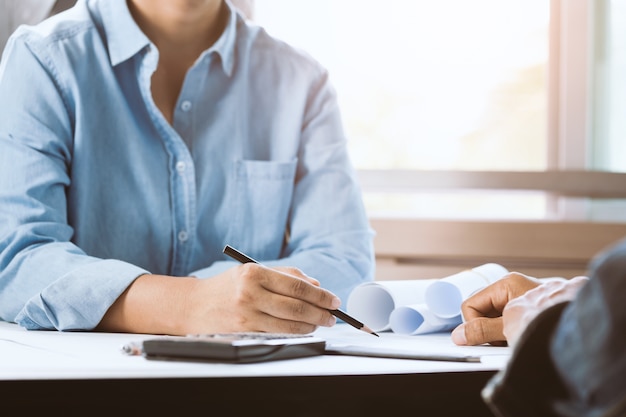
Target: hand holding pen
244, 259
277, 300
253, 297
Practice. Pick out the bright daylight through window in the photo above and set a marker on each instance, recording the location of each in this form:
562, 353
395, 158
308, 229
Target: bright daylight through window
456, 85
450, 84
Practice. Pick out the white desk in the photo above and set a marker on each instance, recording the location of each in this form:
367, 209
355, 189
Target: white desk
44, 369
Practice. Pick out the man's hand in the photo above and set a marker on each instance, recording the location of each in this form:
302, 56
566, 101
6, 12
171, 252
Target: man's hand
482, 312
499, 313
520, 311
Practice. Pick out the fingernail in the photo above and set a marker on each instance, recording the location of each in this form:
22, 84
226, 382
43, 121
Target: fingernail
331, 321
336, 303
458, 335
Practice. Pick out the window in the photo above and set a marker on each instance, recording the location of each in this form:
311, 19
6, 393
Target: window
609, 104
469, 92
610, 86
449, 84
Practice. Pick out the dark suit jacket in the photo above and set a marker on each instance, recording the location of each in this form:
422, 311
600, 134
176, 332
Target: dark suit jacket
571, 360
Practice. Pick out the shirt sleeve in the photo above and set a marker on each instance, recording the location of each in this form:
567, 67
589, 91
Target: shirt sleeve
46, 282
570, 361
529, 383
589, 346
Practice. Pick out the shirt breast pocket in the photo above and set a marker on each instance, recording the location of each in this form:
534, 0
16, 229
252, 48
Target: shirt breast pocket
263, 197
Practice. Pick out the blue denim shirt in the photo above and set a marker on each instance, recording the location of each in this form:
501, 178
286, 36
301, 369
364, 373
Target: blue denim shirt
97, 188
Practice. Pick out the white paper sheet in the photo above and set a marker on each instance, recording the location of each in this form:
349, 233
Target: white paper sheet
85, 355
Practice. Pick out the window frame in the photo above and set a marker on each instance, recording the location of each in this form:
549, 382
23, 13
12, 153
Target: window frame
569, 183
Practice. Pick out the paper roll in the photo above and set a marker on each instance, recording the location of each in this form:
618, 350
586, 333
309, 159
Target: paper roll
373, 302
445, 296
418, 319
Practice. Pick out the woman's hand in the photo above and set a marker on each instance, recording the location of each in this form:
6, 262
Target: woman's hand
248, 297
253, 297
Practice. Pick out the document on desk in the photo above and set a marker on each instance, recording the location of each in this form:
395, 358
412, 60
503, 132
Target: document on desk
395, 353
30, 354
435, 347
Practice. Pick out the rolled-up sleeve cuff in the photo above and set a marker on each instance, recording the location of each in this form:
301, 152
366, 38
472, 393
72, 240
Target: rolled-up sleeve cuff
79, 299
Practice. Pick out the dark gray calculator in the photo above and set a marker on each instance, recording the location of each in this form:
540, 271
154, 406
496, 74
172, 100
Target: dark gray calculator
239, 347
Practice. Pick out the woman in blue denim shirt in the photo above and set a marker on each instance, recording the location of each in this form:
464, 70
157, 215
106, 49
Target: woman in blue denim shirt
137, 139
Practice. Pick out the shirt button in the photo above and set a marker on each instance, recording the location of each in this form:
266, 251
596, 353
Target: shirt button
180, 166
185, 105
183, 236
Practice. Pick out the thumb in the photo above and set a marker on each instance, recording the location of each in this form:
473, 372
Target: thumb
479, 331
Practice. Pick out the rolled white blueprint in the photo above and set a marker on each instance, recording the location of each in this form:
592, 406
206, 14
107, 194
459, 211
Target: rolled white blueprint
373, 302
418, 319
445, 296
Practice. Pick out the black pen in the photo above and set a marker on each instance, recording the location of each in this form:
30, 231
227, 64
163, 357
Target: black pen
235, 254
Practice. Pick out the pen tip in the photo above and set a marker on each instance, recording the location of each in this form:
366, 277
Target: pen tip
370, 331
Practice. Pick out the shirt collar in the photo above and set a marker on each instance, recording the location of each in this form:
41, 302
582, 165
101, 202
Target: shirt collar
125, 39
224, 47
